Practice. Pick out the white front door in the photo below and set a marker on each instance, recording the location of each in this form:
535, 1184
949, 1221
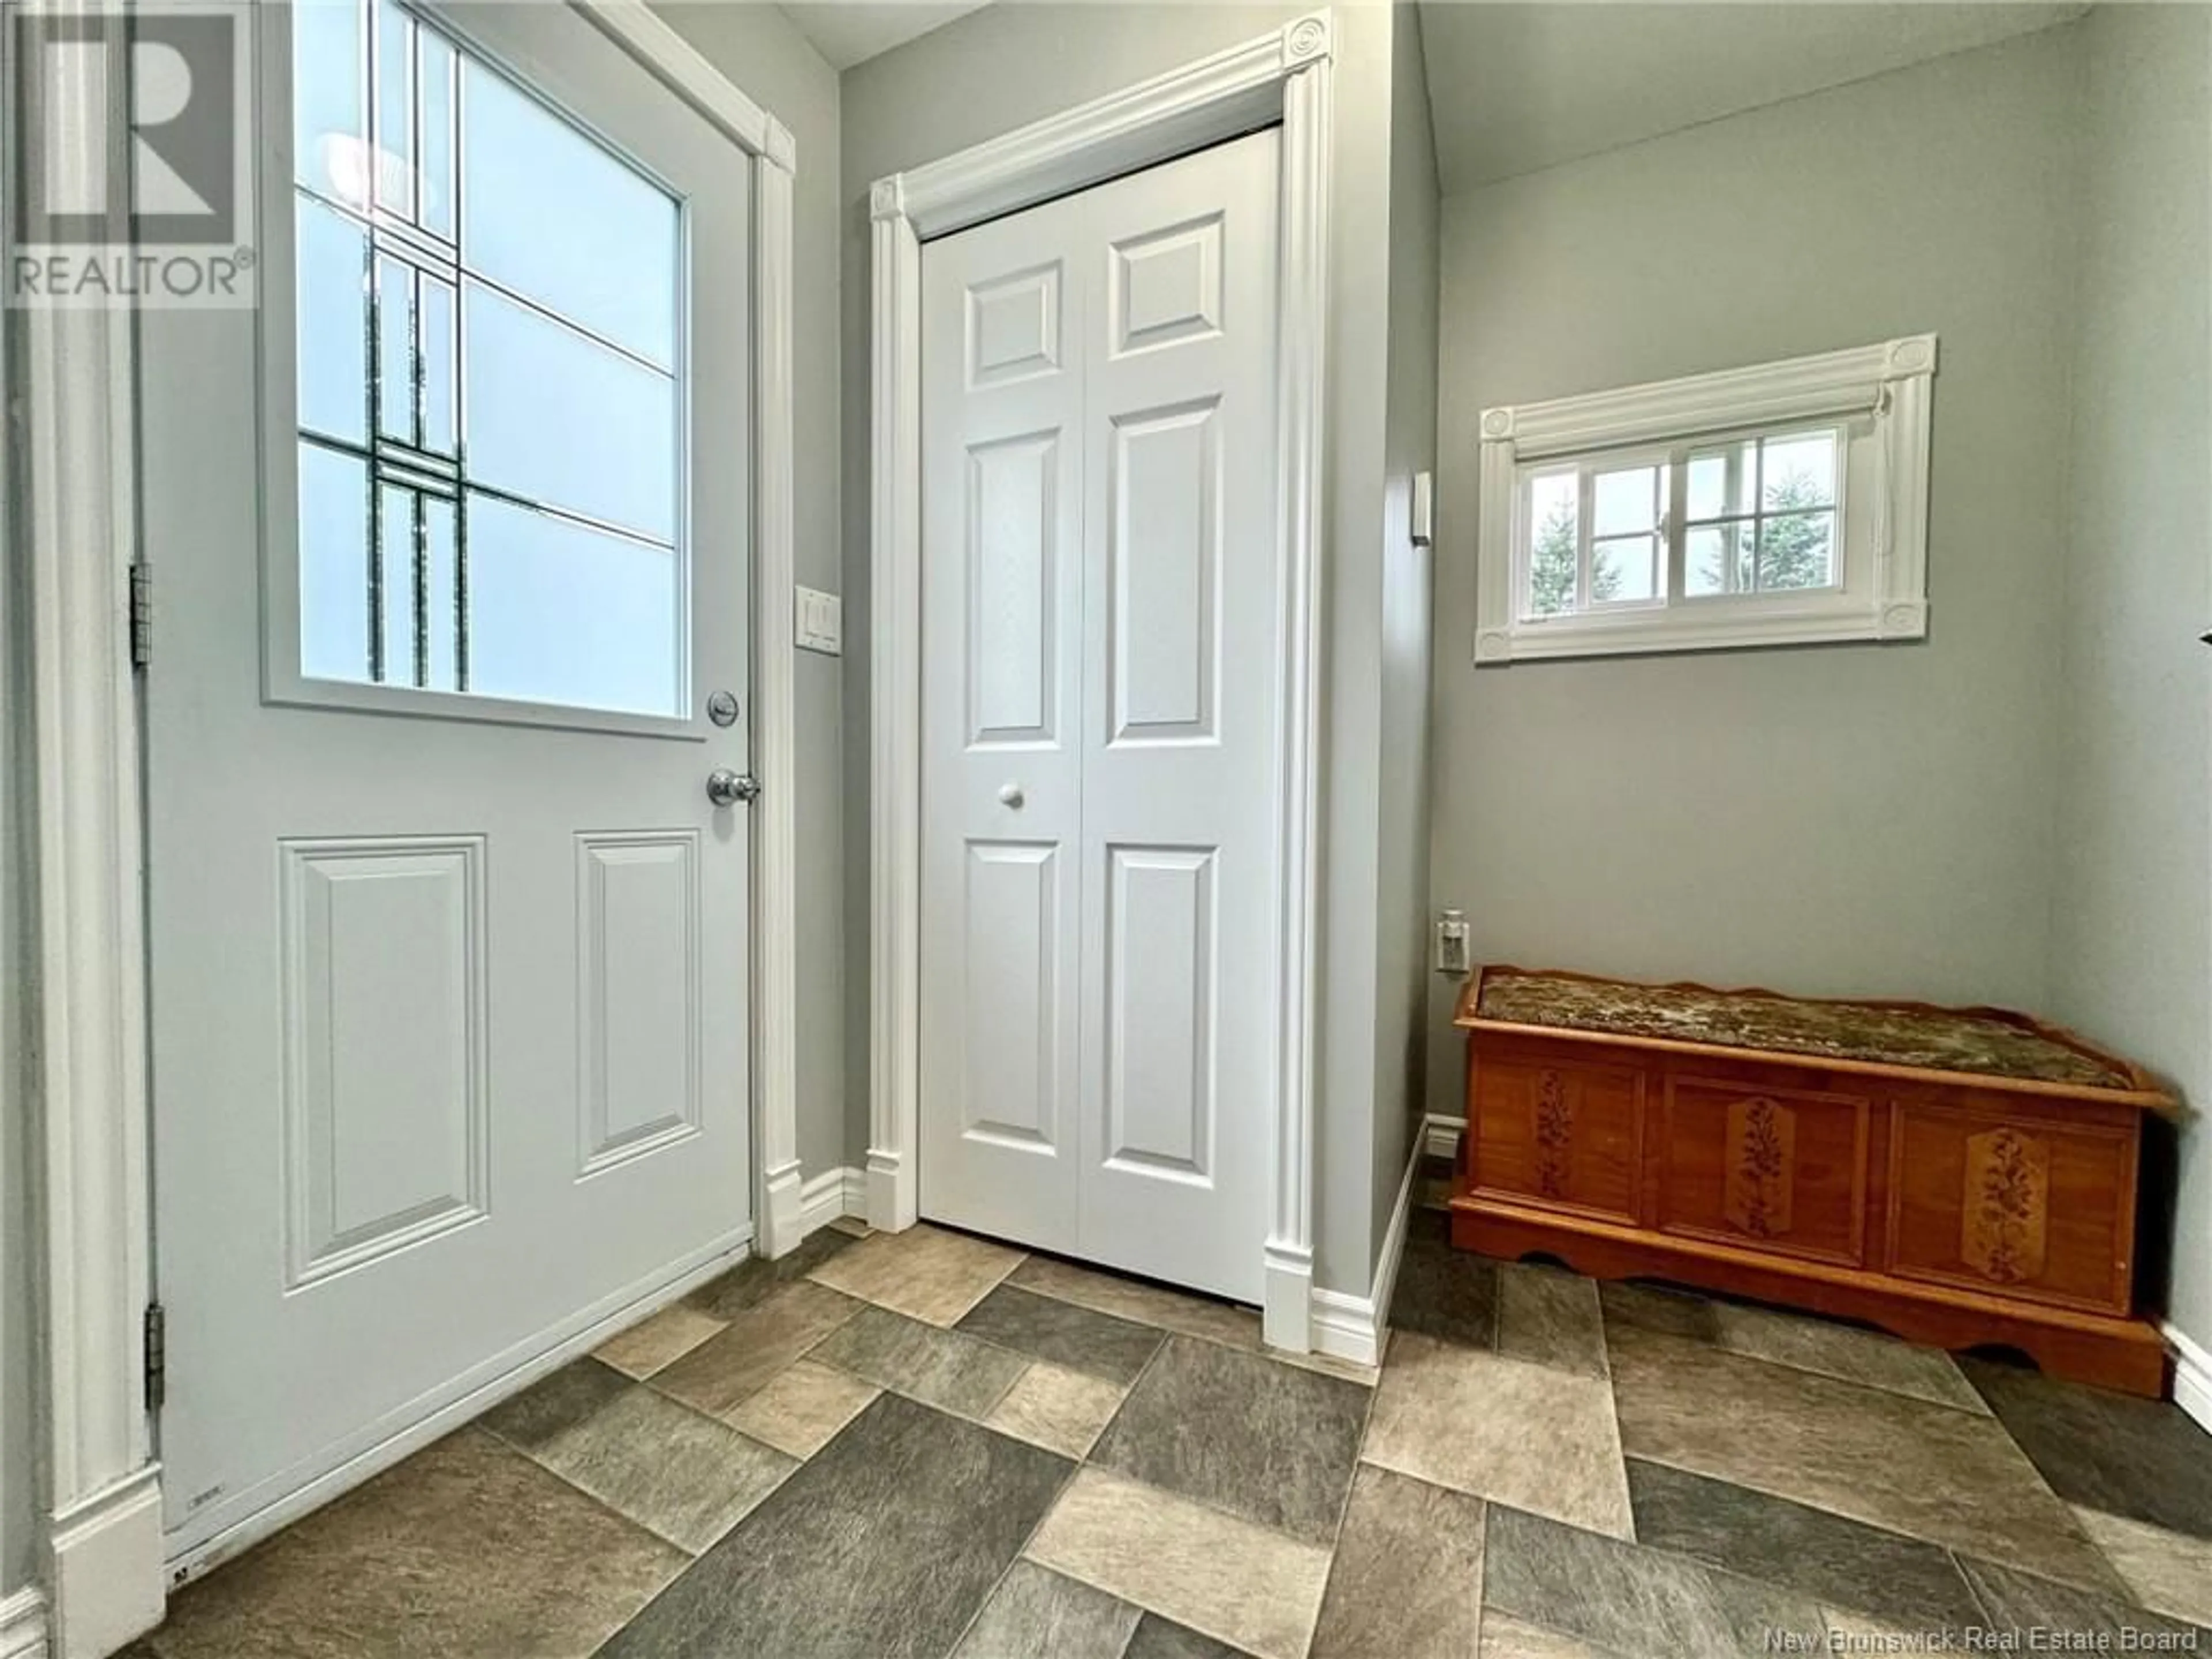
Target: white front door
450, 548
1101, 714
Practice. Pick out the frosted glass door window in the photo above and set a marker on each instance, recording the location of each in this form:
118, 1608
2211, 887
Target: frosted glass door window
491, 396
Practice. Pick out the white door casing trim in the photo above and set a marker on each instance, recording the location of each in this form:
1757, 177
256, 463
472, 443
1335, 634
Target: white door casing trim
103, 1568
1286, 76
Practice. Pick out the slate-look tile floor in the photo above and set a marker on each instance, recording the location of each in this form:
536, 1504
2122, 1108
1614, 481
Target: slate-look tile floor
929, 1445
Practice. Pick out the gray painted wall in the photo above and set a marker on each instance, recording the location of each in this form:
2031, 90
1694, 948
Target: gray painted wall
755, 46
999, 69
1409, 447
2133, 956
1851, 818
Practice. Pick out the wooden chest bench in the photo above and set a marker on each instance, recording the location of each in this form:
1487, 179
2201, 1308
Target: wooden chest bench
1958, 1176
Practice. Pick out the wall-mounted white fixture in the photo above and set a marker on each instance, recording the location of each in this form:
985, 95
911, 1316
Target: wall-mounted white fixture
820, 623
1451, 943
1424, 508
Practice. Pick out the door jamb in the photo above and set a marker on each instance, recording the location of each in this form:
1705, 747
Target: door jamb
102, 1567
1286, 76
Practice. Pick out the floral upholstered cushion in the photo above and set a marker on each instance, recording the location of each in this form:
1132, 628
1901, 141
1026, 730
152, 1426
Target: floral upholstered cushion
1982, 1040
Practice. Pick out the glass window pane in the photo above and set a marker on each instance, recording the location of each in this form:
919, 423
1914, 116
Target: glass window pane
562, 420
328, 134
1624, 501
436, 65
333, 322
547, 212
396, 536
441, 596
333, 565
435, 300
1795, 549
395, 370
1554, 507
1625, 568
563, 393
1723, 482
395, 110
1800, 472
1717, 559
558, 613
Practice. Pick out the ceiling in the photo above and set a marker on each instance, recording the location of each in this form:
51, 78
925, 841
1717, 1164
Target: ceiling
1518, 87
850, 32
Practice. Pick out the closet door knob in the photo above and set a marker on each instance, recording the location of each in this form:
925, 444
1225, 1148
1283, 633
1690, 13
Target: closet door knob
1010, 794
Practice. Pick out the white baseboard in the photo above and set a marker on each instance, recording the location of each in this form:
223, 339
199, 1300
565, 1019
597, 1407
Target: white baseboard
1287, 1299
890, 1192
277, 1502
2192, 1375
1344, 1326
106, 1588
23, 1626
784, 1225
1440, 1135
1354, 1327
833, 1194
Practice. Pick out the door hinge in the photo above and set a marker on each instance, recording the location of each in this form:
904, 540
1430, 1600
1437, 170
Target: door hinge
157, 1357
141, 615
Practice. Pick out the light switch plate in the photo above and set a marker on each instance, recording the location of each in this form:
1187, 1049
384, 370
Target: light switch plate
1424, 508
820, 622
1452, 943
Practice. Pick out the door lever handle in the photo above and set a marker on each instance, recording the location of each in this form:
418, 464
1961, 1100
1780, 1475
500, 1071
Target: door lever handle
727, 788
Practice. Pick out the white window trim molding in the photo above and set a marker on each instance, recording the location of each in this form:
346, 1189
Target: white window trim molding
1286, 74
1889, 382
103, 1569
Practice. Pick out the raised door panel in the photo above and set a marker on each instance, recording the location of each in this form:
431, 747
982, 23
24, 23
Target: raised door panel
637, 994
1166, 286
1014, 326
1772, 1169
1164, 549
2014, 1203
1556, 1133
1013, 561
1011, 951
1161, 995
387, 1098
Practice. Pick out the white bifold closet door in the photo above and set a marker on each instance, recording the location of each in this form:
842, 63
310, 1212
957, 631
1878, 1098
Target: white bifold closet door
1101, 721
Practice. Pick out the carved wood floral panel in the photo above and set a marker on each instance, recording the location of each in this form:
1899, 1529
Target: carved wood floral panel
1762, 1166
2006, 1221
1555, 1123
